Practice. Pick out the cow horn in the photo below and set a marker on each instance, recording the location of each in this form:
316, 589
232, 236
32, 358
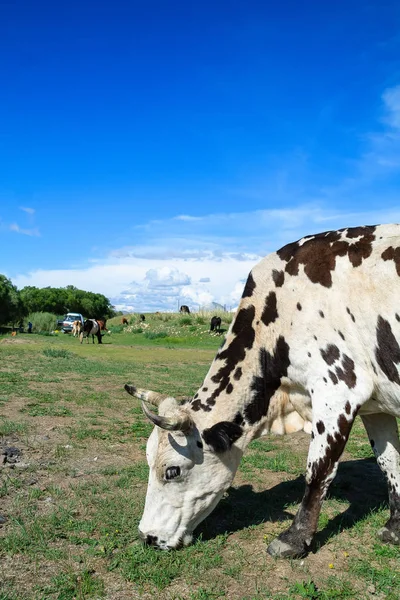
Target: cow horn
182, 423
147, 395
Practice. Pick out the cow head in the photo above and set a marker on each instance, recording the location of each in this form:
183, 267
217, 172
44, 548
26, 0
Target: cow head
190, 470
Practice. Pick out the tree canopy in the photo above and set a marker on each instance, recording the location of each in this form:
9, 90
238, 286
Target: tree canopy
69, 299
15, 304
11, 307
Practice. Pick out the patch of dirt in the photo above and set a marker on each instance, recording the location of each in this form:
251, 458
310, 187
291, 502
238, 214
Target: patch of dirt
17, 340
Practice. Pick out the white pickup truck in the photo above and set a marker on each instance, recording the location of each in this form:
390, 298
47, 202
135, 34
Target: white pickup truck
67, 321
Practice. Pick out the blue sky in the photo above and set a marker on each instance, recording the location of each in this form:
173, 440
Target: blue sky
154, 151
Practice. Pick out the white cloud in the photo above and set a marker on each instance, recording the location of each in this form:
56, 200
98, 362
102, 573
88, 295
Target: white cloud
187, 218
391, 99
166, 277
31, 232
29, 211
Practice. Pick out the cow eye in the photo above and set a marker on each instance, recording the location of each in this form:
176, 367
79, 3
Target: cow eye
172, 472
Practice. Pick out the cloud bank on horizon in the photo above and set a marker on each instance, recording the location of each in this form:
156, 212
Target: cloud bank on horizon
193, 266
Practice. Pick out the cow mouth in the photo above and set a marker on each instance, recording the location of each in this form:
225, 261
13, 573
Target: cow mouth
161, 544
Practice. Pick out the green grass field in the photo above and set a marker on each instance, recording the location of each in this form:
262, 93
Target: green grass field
73, 502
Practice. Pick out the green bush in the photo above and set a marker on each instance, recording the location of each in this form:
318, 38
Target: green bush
152, 335
116, 328
41, 321
185, 321
54, 353
137, 330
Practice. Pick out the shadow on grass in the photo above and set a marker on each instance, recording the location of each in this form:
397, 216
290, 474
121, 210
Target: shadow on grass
359, 482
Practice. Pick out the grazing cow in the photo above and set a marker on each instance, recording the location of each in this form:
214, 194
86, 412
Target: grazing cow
215, 324
93, 328
314, 342
142, 318
124, 321
184, 309
76, 328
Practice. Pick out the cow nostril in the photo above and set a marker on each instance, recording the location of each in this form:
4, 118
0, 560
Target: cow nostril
151, 540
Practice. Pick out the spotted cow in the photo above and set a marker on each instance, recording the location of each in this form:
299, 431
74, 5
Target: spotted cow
184, 309
314, 343
93, 328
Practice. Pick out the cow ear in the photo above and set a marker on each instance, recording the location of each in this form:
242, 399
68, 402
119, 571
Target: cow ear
222, 435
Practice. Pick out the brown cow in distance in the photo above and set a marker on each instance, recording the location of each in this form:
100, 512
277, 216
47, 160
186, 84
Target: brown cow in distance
124, 321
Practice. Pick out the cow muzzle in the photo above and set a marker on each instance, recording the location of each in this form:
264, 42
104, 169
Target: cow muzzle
159, 543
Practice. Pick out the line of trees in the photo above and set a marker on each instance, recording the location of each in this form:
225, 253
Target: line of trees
16, 304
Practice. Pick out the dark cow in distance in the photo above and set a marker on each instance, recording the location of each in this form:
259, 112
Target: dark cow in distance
142, 318
184, 309
215, 324
314, 343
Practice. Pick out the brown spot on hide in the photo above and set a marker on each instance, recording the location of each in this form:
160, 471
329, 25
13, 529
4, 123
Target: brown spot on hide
238, 419
387, 351
278, 277
320, 427
298, 306
321, 314
394, 255
272, 368
270, 313
249, 287
318, 253
343, 425
346, 372
333, 377
330, 354
237, 374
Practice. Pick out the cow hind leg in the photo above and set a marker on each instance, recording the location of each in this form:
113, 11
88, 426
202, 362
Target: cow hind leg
383, 435
331, 427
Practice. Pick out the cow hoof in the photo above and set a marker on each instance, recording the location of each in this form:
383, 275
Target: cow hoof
388, 536
284, 550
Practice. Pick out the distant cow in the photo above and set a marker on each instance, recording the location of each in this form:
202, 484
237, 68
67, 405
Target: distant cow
76, 328
93, 328
215, 324
124, 321
184, 309
142, 318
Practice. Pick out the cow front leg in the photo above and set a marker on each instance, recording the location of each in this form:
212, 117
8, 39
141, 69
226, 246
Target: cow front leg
329, 435
383, 435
